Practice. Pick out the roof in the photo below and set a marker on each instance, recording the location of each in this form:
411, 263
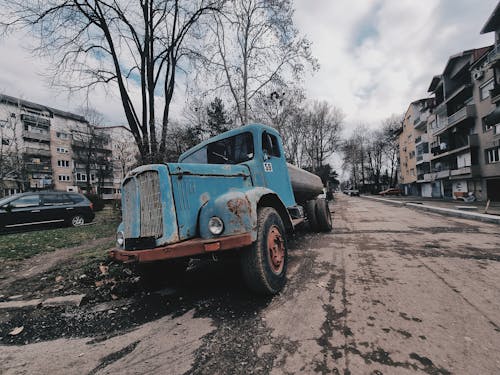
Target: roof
434, 83
493, 22
474, 54
40, 107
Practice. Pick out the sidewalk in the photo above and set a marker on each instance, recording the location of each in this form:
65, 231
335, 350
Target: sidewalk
473, 210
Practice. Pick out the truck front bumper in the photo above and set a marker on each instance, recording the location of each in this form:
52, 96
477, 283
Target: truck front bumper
187, 248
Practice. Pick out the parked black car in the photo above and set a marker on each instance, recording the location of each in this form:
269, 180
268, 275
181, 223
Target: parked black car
48, 207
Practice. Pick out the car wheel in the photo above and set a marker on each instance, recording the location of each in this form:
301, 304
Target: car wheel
312, 216
265, 262
323, 215
77, 220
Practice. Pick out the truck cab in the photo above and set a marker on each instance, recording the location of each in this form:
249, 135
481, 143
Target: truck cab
231, 192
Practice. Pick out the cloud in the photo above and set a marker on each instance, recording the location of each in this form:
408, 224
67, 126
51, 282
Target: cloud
378, 56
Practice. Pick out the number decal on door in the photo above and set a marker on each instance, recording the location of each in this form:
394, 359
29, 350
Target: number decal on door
268, 167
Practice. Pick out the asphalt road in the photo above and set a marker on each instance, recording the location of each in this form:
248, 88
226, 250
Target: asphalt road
390, 291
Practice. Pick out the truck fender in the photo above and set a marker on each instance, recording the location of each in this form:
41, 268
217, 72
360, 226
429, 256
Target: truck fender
238, 211
235, 210
264, 197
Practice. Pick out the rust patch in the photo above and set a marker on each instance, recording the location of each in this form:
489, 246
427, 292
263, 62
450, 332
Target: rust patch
238, 207
204, 198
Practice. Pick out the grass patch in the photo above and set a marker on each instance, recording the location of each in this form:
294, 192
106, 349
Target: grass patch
25, 245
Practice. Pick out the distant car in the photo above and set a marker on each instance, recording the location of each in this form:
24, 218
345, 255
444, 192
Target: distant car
351, 192
392, 191
48, 207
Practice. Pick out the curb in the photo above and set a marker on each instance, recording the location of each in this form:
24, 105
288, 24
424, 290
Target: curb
439, 210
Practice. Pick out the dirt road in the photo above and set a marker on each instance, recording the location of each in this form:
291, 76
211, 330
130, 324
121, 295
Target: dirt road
389, 291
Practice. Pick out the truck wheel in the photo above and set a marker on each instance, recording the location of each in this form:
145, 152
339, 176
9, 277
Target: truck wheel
265, 262
312, 215
324, 217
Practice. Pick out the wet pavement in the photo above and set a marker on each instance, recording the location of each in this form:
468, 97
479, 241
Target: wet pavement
390, 291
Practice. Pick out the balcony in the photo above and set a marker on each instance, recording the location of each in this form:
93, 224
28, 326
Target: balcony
493, 55
423, 158
36, 135
421, 122
37, 151
39, 167
442, 174
495, 93
466, 112
439, 152
465, 172
421, 138
424, 177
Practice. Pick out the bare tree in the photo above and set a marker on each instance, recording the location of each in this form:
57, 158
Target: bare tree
90, 150
252, 44
390, 128
12, 163
375, 153
132, 45
125, 152
322, 136
354, 150
283, 109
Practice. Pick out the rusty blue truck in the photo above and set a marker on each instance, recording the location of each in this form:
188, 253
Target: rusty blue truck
232, 192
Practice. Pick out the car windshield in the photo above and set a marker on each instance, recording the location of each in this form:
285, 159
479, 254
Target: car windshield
232, 150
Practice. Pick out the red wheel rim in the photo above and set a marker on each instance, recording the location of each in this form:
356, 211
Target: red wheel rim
276, 250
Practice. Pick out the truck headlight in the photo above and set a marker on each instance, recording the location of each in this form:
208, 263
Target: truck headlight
215, 225
120, 239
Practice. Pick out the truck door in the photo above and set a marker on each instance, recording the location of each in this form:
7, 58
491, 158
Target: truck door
275, 169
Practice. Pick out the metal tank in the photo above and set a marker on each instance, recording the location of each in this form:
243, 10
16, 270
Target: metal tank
305, 185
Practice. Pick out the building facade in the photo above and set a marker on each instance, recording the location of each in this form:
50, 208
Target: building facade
456, 132
44, 148
407, 150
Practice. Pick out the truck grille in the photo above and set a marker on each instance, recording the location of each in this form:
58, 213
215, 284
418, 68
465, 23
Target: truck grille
146, 187
151, 212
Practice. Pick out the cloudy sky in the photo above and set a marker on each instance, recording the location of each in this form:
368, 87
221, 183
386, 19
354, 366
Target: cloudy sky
376, 55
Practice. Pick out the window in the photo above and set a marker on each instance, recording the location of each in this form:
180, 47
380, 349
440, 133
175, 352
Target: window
492, 155
484, 90
62, 150
81, 177
232, 150
26, 201
63, 177
56, 199
5, 142
62, 135
270, 145
63, 163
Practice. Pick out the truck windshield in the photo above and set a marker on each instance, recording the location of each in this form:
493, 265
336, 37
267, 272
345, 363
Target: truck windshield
232, 150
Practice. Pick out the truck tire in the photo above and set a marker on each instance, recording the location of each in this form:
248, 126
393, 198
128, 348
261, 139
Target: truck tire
312, 215
265, 262
324, 218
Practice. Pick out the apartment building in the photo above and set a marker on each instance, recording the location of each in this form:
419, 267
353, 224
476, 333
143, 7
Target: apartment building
456, 132
489, 70
407, 149
461, 96
45, 148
